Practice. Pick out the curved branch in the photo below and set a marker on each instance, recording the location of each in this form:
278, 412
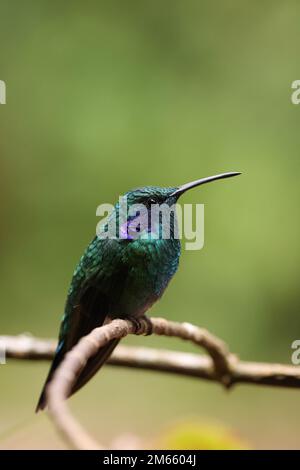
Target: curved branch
221, 366
28, 347
75, 360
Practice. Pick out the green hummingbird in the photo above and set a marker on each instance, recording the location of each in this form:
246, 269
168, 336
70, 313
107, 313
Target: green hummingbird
120, 277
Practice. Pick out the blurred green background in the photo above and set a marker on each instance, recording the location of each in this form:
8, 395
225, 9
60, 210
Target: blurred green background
106, 96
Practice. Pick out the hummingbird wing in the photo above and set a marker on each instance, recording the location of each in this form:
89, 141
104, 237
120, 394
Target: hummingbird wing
92, 297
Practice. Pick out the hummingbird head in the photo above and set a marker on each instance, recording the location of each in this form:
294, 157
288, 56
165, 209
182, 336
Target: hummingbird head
149, 195
139, 222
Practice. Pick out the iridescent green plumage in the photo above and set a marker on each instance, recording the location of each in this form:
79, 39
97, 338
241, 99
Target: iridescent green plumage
120, 277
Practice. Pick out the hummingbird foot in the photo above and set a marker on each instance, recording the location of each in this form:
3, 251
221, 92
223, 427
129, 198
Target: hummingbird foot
148, 325
141, 324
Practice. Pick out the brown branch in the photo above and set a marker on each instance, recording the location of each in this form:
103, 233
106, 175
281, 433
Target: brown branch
162, 360
221, 366
26, 346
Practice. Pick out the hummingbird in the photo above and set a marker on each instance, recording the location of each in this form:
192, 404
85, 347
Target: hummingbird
120, 277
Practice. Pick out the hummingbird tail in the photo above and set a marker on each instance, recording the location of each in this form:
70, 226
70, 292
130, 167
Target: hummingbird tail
92, 366
78, 321
56, 361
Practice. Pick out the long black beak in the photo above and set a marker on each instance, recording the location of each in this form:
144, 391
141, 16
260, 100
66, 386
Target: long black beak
185, 187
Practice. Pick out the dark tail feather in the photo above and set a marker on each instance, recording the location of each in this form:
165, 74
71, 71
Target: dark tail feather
56, 361
80, 320
92, 366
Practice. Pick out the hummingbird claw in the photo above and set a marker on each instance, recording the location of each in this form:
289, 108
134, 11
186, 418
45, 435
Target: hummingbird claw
141, 324
148, 324
136, 323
